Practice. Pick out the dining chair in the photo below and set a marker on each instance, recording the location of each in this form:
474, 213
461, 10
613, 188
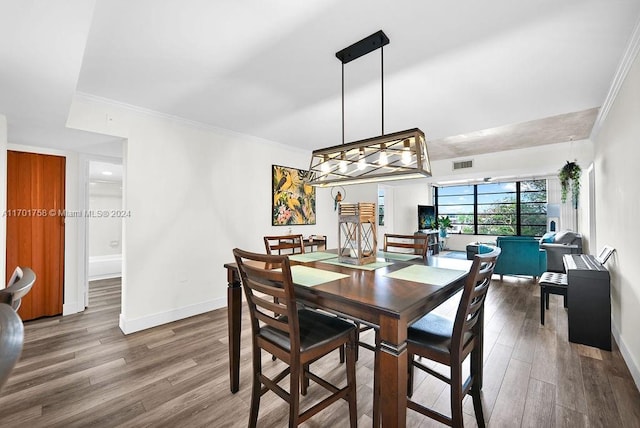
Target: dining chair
18, 286
320, 242
296, 335
284, 244
11, 340
449, 342
417, 244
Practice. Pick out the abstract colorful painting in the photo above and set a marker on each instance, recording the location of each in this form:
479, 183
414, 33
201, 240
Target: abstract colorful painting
294, 201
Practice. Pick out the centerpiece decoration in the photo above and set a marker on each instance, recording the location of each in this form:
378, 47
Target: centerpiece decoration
357, 233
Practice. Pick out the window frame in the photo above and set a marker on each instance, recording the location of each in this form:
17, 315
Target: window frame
521, 213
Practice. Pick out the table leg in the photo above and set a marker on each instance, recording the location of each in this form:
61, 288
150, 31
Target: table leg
234, 315
393, 375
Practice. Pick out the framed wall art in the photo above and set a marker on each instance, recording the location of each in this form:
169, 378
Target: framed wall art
293, 200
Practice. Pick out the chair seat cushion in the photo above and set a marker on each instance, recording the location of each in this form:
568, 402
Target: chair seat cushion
433, 331
315, 329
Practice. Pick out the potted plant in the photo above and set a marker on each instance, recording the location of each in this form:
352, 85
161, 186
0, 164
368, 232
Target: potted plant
569, 177
444, 223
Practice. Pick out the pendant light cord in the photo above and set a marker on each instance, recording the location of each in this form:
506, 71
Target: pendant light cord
343, 103
382, 88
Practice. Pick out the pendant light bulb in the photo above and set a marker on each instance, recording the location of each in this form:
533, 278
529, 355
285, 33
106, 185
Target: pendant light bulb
362, 164
406, 153
383, 160
343, 163
325, 165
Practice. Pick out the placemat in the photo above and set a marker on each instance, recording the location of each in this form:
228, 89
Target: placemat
397, 256
427, 274
370, 266
312, 257
310, 277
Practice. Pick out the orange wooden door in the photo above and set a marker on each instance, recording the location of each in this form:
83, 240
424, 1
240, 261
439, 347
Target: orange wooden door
35, 228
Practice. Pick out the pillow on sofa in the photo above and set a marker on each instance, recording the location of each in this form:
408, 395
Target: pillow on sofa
568, 237
548, 237
482, 248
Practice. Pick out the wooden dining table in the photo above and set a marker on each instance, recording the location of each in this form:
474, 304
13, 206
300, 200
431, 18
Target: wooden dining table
388, 295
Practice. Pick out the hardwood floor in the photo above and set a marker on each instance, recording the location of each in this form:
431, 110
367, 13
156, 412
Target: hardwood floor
80, 370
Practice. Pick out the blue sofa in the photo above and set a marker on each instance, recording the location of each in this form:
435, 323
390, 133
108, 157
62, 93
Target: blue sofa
521, 255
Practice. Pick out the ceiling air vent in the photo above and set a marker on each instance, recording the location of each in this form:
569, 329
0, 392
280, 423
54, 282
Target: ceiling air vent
462, 164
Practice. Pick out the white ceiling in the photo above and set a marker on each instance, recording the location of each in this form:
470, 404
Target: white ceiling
268, 68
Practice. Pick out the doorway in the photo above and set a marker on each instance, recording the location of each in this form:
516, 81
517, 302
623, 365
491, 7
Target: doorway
104, 223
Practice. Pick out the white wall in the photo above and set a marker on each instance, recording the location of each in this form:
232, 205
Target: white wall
105, 233
535, 162
194, 194
618, 212
406, 200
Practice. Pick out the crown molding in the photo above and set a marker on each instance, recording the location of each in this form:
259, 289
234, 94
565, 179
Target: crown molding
630, 54
183, 121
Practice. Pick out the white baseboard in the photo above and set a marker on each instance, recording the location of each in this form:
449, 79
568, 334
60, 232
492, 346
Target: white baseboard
71, 308
105, 276
104, 267
129, 326
626, 355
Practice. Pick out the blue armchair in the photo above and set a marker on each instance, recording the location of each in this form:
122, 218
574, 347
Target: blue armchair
521, 255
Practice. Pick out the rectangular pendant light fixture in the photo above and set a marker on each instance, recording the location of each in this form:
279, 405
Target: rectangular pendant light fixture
397, 156
388, 157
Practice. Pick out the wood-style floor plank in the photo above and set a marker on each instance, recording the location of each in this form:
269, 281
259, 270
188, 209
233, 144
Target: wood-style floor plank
81, 370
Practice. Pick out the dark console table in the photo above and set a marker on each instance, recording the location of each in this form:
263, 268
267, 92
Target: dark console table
588, 300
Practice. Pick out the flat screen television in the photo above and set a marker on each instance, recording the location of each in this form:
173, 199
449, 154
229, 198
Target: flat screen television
426, 216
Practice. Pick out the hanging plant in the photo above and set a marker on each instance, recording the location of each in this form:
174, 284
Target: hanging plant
570, 180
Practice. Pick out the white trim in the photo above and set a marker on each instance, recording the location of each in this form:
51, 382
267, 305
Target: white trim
630, 54
70, 308
183, 121
633, 366
38, 150
129, 326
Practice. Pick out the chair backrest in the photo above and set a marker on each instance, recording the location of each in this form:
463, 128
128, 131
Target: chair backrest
284, 244
11, 340
320, 241
471, 304
19, 285
418, 244
268, 287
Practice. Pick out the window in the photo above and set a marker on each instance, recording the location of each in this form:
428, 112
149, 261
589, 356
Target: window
510, 208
